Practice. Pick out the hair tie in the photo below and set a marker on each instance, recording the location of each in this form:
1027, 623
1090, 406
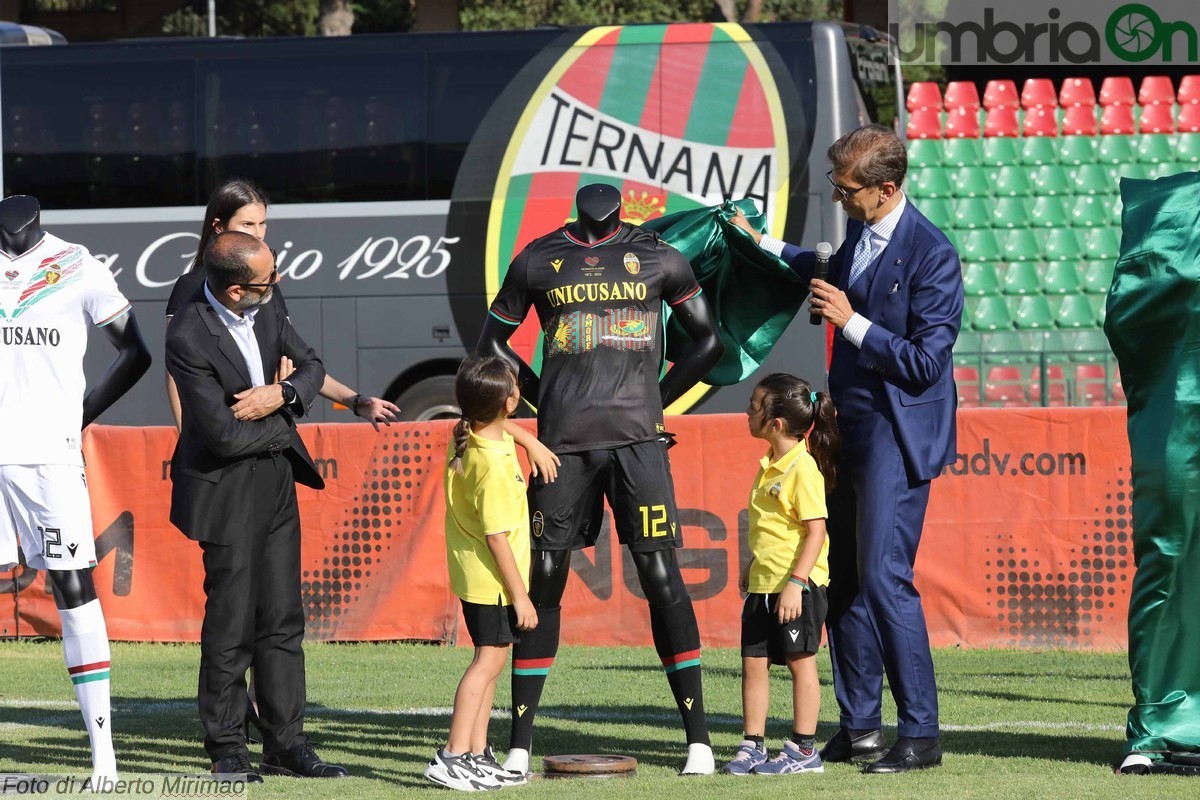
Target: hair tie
813, 397
465, 418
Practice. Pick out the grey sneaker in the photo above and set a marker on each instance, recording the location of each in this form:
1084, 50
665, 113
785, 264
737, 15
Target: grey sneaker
749, 755
791, 761
459, 772
488, 763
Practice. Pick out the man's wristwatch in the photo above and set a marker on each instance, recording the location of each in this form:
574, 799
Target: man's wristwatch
289, 393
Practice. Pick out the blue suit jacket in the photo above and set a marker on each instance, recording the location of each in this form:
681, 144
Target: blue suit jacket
915, 305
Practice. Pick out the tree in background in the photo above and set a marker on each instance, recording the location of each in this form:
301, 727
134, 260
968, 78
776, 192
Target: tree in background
514, 14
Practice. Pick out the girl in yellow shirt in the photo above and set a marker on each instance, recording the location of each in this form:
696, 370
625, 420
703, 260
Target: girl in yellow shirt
487, 549
785, 580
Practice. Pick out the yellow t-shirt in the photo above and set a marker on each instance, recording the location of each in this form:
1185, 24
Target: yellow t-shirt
786, 492
488, 498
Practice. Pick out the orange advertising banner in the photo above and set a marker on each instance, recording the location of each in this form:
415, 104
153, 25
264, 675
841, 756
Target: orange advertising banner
1027, 542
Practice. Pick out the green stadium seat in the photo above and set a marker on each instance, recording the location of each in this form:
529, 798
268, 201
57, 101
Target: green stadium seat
973, 212
1000, 151
939, 211
1115, 208
1165, 168
1075, 311
1187, 149
1032, 312
1022, 278
1115, 150
1087, 345
933, 182
1062, 244
980, 245
1155, 148
1090, 212
968, 345
1048, 212
1093, 179
1103, 243
990, 314
1038, 150
924, 153
961, 152
1051, 180
1099, 304
1098, 275
1010, 212
1077, 150
1060, 277
1021, 244
979, 279
1013, 181
972, 182
1129, 170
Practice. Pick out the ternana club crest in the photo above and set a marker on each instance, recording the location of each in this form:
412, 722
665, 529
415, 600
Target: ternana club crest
632, 265
53, 273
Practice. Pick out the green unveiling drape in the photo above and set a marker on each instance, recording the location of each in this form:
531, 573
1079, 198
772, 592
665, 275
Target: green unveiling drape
753, 294
1153, 325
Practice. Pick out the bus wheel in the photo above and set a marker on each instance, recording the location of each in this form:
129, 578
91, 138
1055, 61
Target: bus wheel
431, 398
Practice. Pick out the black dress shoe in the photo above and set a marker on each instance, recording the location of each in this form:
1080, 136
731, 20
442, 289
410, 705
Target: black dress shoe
863, 747
301, 762
236, 767
906, 755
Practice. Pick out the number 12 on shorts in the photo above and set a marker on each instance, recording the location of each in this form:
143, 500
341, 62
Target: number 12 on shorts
654, 522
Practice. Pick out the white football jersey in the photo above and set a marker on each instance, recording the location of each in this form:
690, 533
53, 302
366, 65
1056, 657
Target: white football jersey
47, 298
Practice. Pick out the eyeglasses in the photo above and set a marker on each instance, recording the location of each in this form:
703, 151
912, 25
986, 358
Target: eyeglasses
844, 191
274, 276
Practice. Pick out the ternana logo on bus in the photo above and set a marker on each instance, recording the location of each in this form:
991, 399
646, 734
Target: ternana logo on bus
676, 117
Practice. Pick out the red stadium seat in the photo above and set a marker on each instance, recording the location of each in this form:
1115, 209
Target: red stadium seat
1001, 121
1189, 118
1117, 91
1041, 121
962, 123
1077, 92
924, 95
1189, 89
1117, 120
1079, 121
925, 124
961, 94
967, 381
1038, 93
1158, 119
1091, 385
1005, 387
1000, 94
1156, 90
1056, 386
1117, 391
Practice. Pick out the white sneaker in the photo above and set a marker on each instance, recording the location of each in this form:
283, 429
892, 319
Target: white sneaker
517, 761
700, 761
488, 763
459, 772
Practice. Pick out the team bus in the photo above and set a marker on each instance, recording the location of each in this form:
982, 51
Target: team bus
405, 171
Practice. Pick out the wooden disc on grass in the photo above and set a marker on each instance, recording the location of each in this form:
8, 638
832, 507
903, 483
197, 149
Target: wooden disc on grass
588, 766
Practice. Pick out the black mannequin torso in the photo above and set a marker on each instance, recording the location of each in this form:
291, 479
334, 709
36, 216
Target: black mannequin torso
20, 224
599, 207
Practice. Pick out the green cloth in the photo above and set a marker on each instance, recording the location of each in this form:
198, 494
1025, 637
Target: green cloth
753, 295
1153, 325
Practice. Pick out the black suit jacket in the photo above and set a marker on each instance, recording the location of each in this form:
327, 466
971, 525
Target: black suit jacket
210, 467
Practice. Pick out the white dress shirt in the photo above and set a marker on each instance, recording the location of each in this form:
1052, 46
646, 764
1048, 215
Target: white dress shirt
242, 330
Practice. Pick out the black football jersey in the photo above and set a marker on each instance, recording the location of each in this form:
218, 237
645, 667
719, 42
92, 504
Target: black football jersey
600, 310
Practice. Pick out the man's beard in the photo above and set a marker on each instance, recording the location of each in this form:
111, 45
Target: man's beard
249, 300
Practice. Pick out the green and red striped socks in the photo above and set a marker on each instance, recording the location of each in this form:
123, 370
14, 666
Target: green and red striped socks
86, 652
532, 657
677, 640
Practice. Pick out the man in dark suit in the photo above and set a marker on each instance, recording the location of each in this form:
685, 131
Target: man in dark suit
234, 473
895, 296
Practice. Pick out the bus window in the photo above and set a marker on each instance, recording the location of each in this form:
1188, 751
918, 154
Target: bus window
95, 137
873, 76
326, 129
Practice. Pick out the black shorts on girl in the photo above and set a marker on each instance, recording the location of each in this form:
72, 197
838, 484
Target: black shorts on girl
490, 625
764, 637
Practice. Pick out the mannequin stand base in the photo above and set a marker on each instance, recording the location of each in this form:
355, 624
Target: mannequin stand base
589, 766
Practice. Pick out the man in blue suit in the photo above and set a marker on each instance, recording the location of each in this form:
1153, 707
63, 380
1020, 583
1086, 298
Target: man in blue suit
895, 296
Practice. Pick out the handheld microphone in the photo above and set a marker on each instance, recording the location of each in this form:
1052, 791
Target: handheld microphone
823, 250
